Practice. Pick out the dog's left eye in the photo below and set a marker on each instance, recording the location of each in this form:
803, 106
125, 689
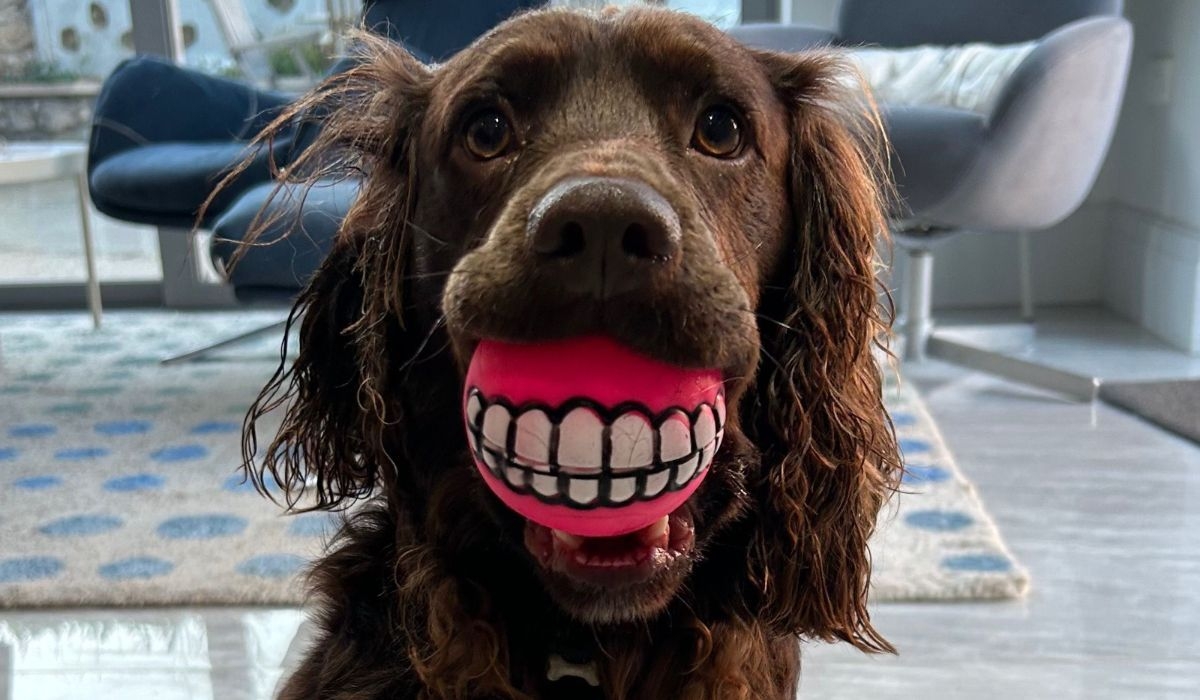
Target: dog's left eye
718, 133
488, 135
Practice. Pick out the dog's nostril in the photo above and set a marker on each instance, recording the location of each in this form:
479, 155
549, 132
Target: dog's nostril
638, 243
570, 241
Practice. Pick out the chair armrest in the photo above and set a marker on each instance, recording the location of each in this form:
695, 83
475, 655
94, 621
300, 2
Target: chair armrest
782, 37
1050, 129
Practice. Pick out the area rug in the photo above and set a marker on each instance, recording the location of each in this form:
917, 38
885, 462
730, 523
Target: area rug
118, 483
1173, 405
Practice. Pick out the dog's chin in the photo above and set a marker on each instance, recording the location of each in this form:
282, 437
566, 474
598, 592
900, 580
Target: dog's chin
612, 580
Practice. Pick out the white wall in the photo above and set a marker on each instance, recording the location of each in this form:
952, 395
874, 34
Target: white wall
1152, 272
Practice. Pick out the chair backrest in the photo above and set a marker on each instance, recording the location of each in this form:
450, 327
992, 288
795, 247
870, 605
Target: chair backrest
438, 29
896, 23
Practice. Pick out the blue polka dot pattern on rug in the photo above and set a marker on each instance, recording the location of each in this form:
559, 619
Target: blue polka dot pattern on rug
924, 473
81, 525
939, 520
77, 453
179, 453
911, 445
32, 430
7, 453
134, 483
236, 483
106, 390
987, 563
903, 420
22, 569
114, 428
69, 408
201, 527
271, 565
215, 426
135, 568
38, 483
313, 525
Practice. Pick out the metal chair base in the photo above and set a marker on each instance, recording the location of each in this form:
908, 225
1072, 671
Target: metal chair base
228, 342
972, 347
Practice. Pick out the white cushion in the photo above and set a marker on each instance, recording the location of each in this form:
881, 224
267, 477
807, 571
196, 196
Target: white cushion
970, 76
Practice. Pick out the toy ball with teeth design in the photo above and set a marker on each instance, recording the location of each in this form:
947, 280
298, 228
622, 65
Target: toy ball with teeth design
587, 436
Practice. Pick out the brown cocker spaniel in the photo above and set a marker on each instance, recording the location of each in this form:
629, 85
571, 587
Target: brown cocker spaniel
634, 175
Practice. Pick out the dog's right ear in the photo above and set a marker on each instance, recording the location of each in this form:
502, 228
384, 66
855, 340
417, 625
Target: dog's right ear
335, 397
319, 444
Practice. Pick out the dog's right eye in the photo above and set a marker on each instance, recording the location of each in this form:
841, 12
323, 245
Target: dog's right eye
488, 135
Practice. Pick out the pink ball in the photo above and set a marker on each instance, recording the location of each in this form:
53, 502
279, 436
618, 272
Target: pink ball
588, 436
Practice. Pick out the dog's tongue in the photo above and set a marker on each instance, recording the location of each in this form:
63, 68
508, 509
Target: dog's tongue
587, 436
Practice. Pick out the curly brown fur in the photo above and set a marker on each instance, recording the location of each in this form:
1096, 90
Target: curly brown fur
428, 591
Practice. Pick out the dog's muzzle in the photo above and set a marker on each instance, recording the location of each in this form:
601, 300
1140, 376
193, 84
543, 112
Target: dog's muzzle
587, 436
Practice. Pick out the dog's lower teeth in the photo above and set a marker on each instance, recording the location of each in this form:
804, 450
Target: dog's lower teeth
572, 541
656, 530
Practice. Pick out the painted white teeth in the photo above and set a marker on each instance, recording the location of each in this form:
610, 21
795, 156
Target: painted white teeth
656, 482
581, 439
490, 460
545, 484
474, 406
686, 470
675, 437
583, 491
622, 489
495, 426
584, 464
706, 427
632, 442
533, 438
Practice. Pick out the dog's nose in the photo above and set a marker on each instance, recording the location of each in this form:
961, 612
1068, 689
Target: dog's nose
603, 235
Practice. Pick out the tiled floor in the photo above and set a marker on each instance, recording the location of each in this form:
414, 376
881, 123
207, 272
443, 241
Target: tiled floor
1103, 509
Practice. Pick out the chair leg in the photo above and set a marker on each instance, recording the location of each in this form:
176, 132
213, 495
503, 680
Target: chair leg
235, 340
918, 303
183, 284
1025, 270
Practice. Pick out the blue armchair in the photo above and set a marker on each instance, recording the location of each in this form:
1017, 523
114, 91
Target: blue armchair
163, 136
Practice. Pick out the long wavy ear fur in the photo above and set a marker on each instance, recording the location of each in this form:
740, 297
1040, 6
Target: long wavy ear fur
334, 399
830, 458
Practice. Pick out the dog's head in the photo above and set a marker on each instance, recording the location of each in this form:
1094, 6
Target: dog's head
641, 177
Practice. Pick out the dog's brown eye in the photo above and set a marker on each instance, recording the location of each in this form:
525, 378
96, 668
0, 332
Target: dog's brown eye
488, 135
718, 133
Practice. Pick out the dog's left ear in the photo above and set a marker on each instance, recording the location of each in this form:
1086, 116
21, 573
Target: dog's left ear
829, 453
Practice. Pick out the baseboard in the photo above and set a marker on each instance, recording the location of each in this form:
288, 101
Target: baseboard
1152, 274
